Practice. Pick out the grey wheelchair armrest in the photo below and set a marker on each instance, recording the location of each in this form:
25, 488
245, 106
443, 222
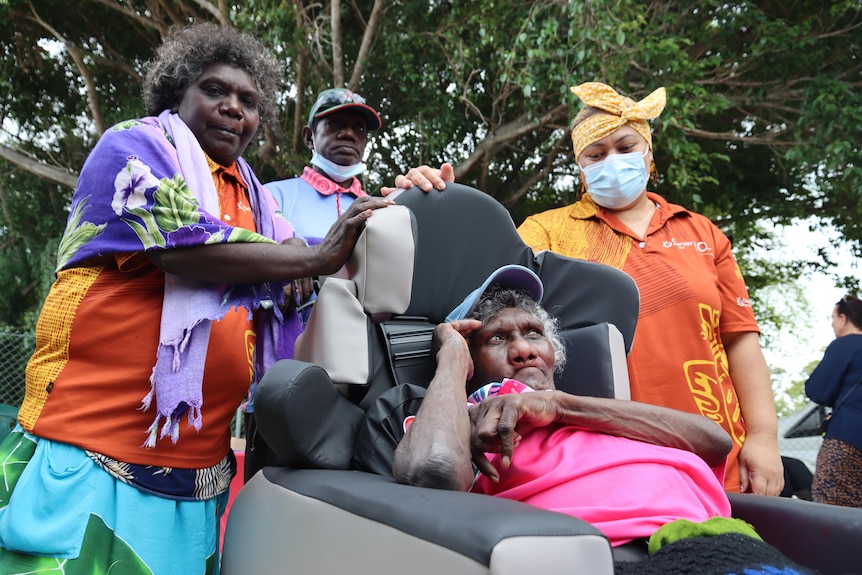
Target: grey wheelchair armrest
827, 538
303, 417
319, 521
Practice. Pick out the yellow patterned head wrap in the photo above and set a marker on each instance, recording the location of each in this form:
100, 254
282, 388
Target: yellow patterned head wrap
617, 113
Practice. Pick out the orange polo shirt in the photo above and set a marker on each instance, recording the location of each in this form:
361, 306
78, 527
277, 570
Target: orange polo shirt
96, 344
691, 292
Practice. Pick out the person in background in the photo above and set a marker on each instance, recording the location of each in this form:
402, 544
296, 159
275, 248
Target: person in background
648, 477
337, 132
339, 124
696, 348
835, 382
166, 308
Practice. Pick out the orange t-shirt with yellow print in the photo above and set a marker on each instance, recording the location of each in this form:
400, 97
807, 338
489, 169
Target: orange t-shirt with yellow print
691, 291
96, 344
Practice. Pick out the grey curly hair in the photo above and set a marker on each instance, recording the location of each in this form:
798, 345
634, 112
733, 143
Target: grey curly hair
187, 51
496, 299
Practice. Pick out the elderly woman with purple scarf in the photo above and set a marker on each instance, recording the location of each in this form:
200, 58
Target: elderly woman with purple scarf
168, 306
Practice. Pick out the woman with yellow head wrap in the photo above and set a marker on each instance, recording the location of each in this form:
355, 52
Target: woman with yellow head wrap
613, 148
697, 346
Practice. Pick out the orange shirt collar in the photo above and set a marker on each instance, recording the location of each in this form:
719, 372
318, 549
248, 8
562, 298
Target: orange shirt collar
231, 170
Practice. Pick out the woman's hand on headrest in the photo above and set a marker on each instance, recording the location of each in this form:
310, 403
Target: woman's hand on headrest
336, 246
425, 177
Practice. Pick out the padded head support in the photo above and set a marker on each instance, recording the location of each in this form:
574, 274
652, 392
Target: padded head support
375, 283
465, 234
381, 264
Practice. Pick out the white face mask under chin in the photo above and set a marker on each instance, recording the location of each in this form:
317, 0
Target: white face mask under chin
335, 171
618, 180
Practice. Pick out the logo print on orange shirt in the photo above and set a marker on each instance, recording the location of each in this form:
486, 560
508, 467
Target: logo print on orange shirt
708, 380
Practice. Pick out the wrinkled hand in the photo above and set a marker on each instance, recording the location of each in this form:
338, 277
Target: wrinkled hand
336, 246
425, 177
451, 350
498, 424
458, 331
760, 467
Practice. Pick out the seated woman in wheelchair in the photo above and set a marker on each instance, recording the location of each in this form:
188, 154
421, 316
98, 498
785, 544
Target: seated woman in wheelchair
649, 477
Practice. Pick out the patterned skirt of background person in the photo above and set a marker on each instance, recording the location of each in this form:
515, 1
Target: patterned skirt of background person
838, 476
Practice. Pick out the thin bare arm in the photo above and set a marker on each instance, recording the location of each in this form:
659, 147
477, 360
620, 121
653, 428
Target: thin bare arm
435, 451
502, 419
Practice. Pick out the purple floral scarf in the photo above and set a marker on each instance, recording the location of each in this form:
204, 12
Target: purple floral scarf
147, 186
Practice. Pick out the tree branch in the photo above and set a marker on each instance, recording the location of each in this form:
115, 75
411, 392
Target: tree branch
367, 40
159, 6
337, 49
296, 143
37, 168
550, 159
734, 137
120, 65
129, 12
220, 11
314, 44
506, 133
303, 61
86, 74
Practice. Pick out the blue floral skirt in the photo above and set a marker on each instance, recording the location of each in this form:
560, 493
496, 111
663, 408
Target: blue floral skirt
62, 513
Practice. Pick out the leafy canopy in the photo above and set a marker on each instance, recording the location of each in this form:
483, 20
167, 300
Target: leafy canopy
763, 120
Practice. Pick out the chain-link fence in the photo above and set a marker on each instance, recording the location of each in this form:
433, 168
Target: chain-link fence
15, 349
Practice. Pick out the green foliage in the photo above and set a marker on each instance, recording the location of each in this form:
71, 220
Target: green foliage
762, 126
793, 397
32, 217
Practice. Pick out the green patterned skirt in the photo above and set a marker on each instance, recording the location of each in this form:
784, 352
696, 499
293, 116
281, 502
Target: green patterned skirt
60, 513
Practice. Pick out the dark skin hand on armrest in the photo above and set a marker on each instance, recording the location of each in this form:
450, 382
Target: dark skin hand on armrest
499, 423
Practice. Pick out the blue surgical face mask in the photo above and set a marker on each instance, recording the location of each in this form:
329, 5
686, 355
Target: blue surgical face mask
618, 180
335, 171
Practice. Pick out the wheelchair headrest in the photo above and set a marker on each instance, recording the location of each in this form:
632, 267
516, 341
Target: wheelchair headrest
465, 234
374, 284
381, 264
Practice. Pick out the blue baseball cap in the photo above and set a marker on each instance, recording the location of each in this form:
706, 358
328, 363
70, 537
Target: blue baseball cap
510, 276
